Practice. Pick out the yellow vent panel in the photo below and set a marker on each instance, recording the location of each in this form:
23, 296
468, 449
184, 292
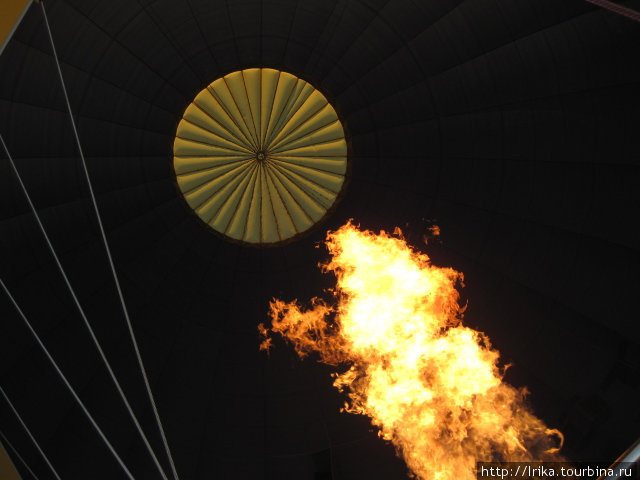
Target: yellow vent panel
260, 156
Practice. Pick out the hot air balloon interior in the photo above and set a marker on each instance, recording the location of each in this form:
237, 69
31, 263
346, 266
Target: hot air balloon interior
319, 239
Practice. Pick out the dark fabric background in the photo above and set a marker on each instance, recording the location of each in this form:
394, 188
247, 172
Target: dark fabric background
512, 124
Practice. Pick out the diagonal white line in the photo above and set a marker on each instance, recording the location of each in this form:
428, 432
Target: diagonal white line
108, 252
72, 292
4, 441
67, 384
26, 429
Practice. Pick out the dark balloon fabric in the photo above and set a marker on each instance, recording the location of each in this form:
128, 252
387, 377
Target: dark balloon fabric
511, 124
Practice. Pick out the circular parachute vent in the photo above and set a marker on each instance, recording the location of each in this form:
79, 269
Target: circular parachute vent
260, 156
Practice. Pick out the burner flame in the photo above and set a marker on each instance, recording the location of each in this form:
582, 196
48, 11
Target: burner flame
431, 385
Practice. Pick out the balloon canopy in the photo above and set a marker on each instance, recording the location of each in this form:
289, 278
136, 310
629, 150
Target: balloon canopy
511, 125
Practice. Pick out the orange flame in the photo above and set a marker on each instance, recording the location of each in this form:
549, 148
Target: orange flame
432, 386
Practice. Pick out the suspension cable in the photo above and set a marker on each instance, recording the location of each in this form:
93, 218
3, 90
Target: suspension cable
85, 319
66, 382
5, 441
26, 429
108, 253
